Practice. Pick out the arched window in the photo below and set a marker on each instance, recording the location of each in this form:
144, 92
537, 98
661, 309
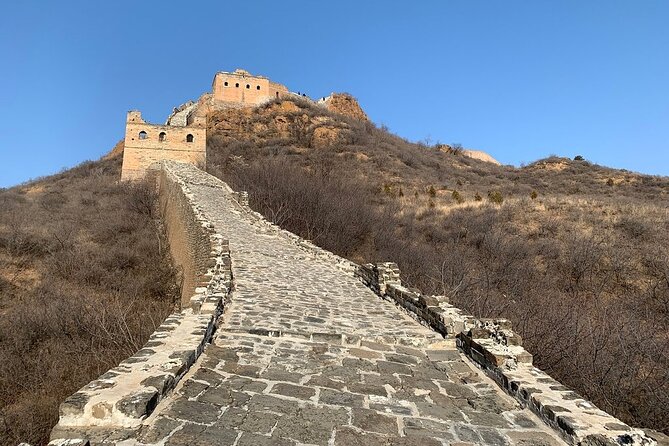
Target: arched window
189, 138
258, 87
237, 85
142, 135
248, 86
161, 136
225, 83
277, 94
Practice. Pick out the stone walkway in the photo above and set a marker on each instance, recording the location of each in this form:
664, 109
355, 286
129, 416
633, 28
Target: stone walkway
305, 354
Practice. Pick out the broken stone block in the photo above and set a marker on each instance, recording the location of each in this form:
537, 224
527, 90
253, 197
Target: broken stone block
139, 404
74, 404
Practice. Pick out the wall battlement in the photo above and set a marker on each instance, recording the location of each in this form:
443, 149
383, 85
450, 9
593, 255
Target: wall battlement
146, 144
241, 87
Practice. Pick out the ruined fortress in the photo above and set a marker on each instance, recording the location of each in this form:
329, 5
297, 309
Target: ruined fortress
183, 137
146, 144
240, 87
279, 342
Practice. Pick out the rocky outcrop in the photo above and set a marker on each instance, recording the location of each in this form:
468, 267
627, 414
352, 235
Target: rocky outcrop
480, 155
344, 104
116, 151
288, 119
475, 154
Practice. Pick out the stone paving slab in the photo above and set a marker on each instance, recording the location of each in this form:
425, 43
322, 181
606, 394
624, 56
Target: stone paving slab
307, 355
251, 389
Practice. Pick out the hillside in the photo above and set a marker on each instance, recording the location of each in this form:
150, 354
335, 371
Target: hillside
573, 253
84, 280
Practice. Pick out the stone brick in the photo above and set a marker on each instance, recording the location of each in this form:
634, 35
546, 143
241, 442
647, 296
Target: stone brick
336, 398
532, 439
138, 404
193, 411
312, 424
294, 391
347, 436
372, 421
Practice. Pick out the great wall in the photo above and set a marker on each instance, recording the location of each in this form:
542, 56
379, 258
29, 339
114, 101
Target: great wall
279, 342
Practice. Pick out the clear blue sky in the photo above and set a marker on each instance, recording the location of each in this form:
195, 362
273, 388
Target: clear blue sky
518, 79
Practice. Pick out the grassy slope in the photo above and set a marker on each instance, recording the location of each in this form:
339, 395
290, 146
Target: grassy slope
582, 269
84, 279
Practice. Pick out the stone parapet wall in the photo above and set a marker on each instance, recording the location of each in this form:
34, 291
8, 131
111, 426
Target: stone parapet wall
197, 176
120, 399
497, 349
187, 232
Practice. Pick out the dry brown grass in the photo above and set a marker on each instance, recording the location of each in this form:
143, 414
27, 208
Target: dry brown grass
84, 280
580, 266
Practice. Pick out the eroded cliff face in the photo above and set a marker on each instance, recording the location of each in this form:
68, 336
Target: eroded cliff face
116, 151
284, 121
345, 104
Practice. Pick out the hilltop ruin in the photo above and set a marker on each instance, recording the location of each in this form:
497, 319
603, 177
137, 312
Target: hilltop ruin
183, 136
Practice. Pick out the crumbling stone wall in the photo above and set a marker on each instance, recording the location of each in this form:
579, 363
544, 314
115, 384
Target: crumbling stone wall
190, 244
179, 116
146, 144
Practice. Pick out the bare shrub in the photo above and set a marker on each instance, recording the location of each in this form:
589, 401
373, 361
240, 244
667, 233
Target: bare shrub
87, 282
496, 197
587, 289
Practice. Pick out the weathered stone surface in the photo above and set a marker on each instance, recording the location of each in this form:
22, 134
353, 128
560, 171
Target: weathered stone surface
312, 424
314, 357
532, 439
161, 428
193, 411
344, 104
74, 404
372, 421
423, 427
294, 391
336, 398
139, 404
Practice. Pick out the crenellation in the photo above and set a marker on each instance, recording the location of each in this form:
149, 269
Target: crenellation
146, 144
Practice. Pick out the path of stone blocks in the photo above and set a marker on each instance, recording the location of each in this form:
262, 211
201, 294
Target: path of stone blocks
305, 354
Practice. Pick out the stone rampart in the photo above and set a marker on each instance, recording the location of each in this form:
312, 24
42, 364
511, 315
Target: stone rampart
497, 349
189, 238
121, 399
180, 115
